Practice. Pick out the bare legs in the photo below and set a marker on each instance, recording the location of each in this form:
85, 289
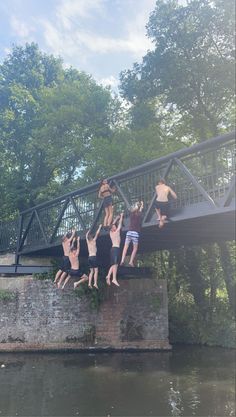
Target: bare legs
112, 272
133, 254
65, 282
62, 276
161, 218
84, 278
57, 277
108, 216
93, 274
125, 249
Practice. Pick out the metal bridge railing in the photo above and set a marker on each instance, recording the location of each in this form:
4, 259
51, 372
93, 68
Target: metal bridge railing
203, 172
8, 235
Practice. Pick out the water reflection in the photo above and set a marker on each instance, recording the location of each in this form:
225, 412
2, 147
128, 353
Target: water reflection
185, 382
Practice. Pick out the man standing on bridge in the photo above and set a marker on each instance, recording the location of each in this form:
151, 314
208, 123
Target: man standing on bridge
162, 201
115, 250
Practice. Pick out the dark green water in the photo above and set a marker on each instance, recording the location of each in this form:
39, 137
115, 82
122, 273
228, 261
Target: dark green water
184, 382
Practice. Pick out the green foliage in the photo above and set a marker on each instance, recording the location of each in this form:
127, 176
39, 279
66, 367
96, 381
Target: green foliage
93, 296
189, 324
48, 117
191, 68
6, 295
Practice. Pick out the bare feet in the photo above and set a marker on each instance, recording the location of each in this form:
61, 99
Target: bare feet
108, 280
114, 281
161, 224
96, 286
90, 286
131, 264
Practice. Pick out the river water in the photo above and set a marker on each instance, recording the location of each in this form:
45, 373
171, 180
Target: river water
189, 381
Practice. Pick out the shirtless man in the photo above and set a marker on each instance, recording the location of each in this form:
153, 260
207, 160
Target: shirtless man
92, 259
74, 260
162, 202
65, 267
115, 250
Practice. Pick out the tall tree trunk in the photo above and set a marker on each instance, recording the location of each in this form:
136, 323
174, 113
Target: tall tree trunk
228, 271
196, 280
212, 274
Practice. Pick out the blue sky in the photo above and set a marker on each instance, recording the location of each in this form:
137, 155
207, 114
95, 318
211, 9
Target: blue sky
101, 37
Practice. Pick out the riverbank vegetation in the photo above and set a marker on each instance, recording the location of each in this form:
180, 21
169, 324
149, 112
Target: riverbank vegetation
59, 129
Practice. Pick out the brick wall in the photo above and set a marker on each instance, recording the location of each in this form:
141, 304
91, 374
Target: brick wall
39, 316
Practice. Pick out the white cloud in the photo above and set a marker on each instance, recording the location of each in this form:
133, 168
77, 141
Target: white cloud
72, 9
109, 81
20, 28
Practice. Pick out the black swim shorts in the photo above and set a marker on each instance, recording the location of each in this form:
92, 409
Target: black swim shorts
92, 261
163, 206
107, 201
74, 273
115, 254
65, 265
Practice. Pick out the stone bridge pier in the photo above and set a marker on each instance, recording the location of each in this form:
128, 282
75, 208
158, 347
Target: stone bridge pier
34, 315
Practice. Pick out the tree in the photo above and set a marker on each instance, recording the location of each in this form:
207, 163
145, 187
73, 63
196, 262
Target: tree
48, 116
191, 68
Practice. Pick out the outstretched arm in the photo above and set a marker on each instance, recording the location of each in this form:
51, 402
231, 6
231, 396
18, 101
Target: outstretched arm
115, 219
72, 236
97, 232
173, 194
78, 246
120, 221
87, 234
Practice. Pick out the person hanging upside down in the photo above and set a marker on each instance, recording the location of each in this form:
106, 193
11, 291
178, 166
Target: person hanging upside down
115, 250
92, 259
162, 201
133, 233
75, 272
65, 266
105, 192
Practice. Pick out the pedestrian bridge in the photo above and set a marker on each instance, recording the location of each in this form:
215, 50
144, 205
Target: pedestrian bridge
201, 175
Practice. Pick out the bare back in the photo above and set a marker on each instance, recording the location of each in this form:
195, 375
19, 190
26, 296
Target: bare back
115, 238
74, 260
162, 191
92, 247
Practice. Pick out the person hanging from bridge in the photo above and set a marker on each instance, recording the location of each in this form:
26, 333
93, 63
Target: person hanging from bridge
132, 235
115, 250
105, 192
162, 201
92, 259
65, 266
75, 271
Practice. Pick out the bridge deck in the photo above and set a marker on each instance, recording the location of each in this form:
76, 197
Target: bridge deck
203, 176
